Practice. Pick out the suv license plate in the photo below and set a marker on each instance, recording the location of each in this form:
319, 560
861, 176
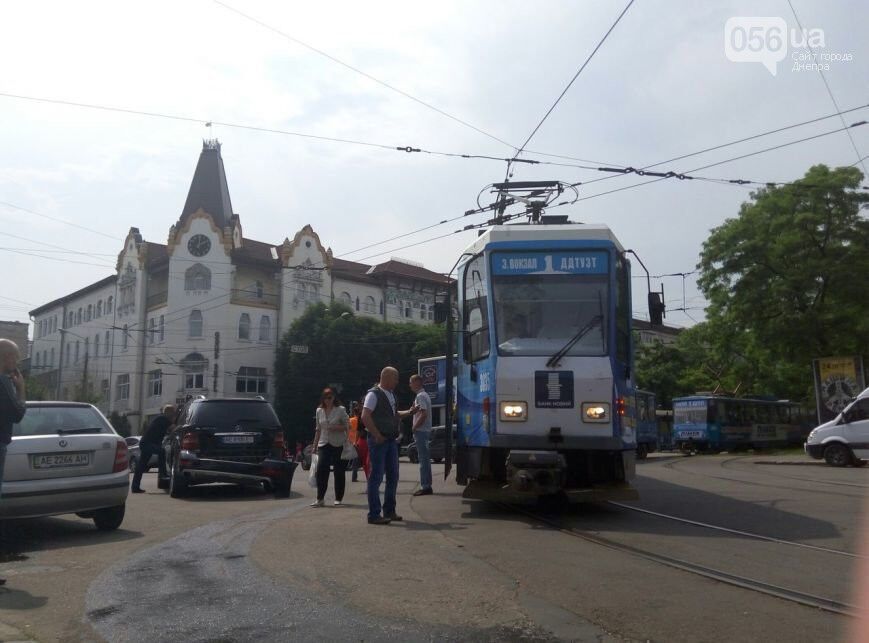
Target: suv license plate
237, 439
55, 460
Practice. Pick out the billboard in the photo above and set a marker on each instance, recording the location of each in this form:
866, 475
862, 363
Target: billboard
838, 380
433, 371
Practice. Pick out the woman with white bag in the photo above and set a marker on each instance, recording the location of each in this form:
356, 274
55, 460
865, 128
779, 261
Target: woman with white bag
329, 441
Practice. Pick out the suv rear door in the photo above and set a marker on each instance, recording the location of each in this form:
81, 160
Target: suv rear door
237, 430
60, 441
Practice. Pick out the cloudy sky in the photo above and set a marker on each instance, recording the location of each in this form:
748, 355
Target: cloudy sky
73, 180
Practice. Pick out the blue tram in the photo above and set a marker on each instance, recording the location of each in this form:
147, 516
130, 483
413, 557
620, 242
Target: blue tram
716, 423
646, 423
545, 364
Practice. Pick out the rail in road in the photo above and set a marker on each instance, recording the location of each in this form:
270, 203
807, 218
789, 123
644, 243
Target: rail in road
737, 580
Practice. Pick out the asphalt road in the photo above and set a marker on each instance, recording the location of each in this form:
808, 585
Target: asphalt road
235, 565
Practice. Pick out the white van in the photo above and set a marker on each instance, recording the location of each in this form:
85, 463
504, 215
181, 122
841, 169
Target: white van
843, 440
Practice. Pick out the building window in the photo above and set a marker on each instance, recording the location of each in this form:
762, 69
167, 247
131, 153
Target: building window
70, 320
357, 304
194, 371
37, 360
77, 350
90, 312
104, 390
44, 359
303, 292
265, 329
97, 345
259, 289
52, 357
408, 311
125, 337
162, 328
78, 316
346, 299
108, 341
195, 323
100, 308
244, 326
155, 383
370, 304
109, 303
87, 343
124, 387
423, 311
152, 330
381, 306
251, 380
68, 354
197, 277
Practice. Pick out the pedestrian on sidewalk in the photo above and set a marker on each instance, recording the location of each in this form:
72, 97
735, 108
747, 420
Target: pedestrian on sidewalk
332, 430
421, 411
359, 439
151, 443
380, 417
13, 396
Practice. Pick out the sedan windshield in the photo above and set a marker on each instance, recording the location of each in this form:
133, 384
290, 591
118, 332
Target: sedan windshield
56, 420
539, 314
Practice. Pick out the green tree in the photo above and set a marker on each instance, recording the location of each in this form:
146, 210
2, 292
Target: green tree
345, 351
120, 423
786, 282
36, 390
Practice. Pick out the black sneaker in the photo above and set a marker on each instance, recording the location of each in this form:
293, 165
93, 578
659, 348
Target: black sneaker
137, 490
380, 520
393, 516
423, 492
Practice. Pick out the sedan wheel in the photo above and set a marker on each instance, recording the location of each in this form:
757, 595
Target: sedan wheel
110, 518
838, 455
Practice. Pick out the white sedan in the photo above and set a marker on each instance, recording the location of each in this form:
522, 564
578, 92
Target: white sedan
65, 458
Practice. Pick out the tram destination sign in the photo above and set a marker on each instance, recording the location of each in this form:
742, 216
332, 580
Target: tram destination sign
550, 263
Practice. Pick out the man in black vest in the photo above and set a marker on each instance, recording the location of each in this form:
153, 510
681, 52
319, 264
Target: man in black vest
151, 443
380, 417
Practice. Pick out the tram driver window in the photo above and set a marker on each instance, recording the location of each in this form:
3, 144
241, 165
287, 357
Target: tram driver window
476, 322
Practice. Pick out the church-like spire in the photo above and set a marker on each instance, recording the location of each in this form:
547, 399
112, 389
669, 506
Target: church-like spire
208, 189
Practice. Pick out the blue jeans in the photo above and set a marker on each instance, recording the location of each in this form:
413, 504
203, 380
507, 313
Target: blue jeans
423, 440
384, 459
3, 448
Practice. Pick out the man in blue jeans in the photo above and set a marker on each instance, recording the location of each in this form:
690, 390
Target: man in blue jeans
381, 419
421, 411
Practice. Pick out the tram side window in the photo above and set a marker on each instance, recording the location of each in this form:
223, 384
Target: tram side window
476, 312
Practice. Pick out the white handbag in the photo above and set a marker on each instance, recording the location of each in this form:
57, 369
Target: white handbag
349, 451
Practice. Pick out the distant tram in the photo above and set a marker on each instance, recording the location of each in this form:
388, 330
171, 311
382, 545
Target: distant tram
714, 423
647, 424
545, 365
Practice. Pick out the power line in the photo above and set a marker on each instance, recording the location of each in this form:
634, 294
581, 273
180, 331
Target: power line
45, 216
362, 73
830, 93
575, 76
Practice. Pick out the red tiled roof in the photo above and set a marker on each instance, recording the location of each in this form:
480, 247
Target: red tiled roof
156, 254
253, 251
407, 270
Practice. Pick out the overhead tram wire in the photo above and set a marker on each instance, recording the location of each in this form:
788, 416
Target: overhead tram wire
575, 76
388, 86
830, 94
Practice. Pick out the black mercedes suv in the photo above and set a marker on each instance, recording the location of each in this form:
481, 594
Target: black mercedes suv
227, 440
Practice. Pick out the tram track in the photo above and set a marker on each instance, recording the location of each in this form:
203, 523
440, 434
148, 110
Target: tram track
672, 466
730, 465
736, 580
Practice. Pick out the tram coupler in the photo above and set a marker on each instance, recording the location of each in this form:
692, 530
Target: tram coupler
536, 472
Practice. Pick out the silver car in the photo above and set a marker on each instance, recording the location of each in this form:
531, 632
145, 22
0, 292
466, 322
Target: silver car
64, 458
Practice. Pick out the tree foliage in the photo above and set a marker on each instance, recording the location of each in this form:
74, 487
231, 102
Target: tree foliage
347, 352
787, 282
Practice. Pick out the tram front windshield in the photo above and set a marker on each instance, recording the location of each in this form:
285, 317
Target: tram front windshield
538, 314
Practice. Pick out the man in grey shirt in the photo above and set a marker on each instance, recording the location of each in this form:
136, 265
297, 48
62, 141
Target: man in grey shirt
421, 410
12, 400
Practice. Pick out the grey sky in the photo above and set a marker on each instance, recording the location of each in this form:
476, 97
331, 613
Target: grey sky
660, 86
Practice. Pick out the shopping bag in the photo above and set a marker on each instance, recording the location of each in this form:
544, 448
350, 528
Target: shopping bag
312, 474
349, 451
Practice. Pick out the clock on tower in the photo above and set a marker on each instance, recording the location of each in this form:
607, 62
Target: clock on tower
199, 245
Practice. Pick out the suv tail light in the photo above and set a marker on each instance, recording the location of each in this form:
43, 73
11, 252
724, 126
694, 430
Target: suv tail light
121, 458
280, 446
190, 441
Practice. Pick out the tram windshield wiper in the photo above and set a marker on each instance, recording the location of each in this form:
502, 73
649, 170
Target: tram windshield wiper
582, 332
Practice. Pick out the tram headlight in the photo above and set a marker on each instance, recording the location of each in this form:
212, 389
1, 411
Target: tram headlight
596, 411
513, 411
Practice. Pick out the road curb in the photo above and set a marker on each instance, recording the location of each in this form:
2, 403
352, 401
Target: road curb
791, 463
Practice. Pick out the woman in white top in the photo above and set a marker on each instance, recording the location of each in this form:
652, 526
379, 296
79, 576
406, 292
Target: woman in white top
333, 426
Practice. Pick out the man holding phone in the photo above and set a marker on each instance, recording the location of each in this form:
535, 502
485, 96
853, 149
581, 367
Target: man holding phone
12, 400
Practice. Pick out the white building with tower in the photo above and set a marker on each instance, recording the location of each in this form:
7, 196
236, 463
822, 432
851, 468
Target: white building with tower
203, 313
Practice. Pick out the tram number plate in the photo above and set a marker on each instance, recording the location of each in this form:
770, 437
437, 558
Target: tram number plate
553, 389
